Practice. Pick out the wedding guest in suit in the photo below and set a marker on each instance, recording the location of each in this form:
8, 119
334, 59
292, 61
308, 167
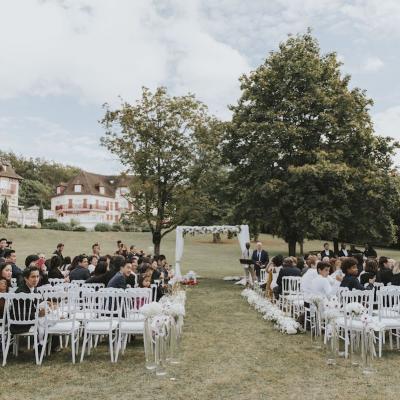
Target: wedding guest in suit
119, 279
80, 272
343, 251
350, 270
93, 260
32, 261
326, 252
59, 250
11, 258
369, 251
248, 268
260, 259
354, 250
288, 269
96, 250
384, 274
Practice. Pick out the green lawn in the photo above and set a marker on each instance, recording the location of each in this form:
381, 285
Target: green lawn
229, 351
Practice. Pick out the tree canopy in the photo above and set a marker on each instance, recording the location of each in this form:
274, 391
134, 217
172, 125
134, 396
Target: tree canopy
305, 141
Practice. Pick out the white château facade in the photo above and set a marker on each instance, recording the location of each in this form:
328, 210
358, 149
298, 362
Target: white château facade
90, 199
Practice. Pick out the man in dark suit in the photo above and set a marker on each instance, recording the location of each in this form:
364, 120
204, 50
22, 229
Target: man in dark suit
118, 281
343, 251
288, 269
11, 258
58, 252
81, 272
260, 259
326, 252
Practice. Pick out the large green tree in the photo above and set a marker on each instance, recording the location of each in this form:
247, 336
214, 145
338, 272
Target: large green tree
305, 142
164, 142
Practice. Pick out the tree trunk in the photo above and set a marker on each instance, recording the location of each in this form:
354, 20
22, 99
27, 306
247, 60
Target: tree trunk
292, 247
336, 246
156, 242
301, 243
216, 238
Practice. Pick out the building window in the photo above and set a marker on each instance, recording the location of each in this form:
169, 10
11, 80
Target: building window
78, 188
101, 189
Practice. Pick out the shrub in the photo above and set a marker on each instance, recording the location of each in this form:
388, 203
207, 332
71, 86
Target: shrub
3, 221
30, 227
58, 226
74, 222
79, 228
117, 227
102, 227
49, 220
13, 224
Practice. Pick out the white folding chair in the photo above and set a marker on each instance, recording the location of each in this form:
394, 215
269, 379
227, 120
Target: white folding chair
3, 323
95, 286
131, 321
350, 324
60, 319
104, 308
22, 311
56, 281
291, 299
154, 289
263, 276
78, 282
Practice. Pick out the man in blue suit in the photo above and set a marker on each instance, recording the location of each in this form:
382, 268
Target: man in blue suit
260, 259
118, 281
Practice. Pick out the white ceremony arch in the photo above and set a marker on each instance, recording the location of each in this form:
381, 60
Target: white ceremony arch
242, 232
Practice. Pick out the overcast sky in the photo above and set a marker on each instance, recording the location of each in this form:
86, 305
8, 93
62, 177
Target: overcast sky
60, 60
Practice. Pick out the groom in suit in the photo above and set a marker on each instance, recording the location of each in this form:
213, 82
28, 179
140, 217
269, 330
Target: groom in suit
260, 259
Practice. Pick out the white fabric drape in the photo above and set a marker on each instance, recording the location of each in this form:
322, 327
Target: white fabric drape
243, 237
178, 251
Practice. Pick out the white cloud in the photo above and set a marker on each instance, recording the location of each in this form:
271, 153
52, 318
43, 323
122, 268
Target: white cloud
387, 122
37, 137
372, 64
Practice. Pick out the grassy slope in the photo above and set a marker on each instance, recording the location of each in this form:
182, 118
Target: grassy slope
229, 352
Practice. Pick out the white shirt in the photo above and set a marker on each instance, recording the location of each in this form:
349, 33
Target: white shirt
91, 268
320, 286
246, 254
306, 280
275, 273
345, 252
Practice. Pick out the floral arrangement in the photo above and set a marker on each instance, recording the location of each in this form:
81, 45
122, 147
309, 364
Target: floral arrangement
151, 309
223, 229
271, 312
355, 308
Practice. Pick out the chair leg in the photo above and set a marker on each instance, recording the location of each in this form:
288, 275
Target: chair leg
118, 346
7, 347
110, 341
380, 344
43, 351
73, 347
35, 344
85, 338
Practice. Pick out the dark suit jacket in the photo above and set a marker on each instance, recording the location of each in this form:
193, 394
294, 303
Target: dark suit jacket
341, 254
264, 259
352, 282
118, 281
286, 271
98, 279
384, 276
24, 328
331, 254
79, 273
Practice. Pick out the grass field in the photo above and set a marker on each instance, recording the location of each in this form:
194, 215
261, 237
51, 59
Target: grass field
229, 352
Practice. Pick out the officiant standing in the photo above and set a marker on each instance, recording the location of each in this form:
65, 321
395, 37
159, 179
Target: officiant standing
248, 268
260, 259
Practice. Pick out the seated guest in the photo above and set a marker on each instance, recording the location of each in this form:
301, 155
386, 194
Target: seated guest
288, 269
370, 270
396, 274
3, 246
384, 274
274, 267
93, 260
5, 283
307, 279
54, 268
326, 252
32, 261
360, 262
100, 274
144, 281
80, 272
311, 262
66, 264
350, 270
31, 279
321, 286
343, 251
11, 258
119, 279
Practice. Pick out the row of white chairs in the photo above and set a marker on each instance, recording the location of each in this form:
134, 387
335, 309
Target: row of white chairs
74, 313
